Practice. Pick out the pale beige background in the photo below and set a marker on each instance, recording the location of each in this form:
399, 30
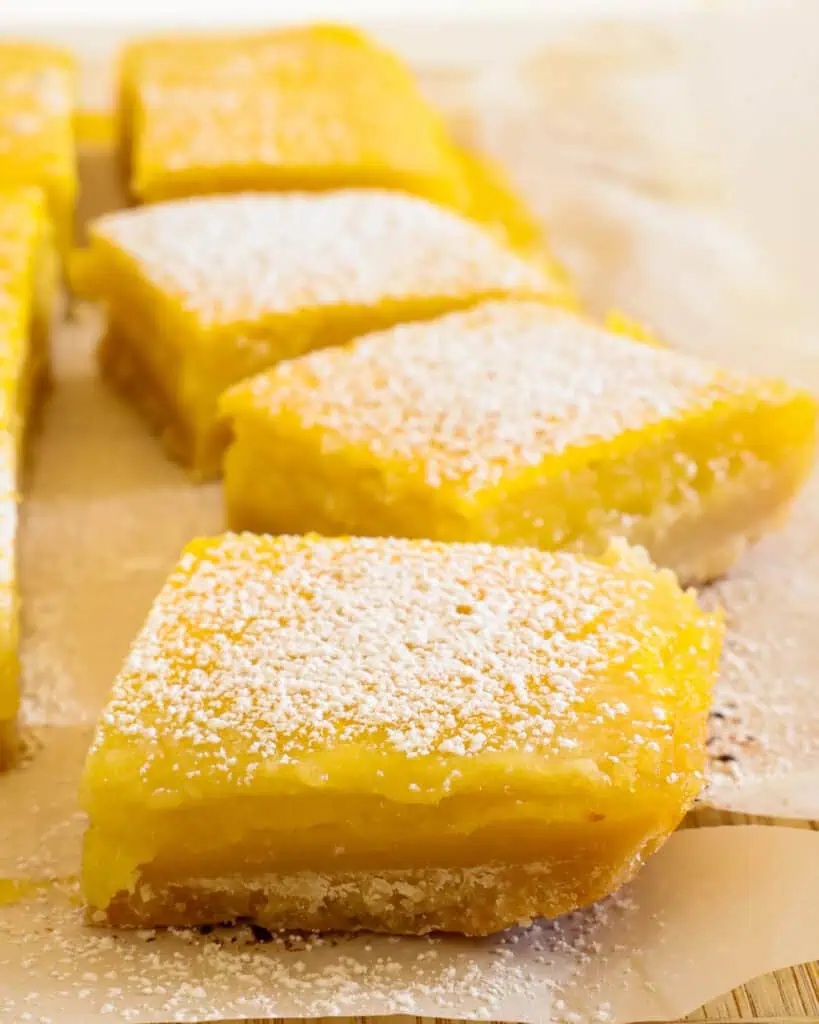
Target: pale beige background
755, 73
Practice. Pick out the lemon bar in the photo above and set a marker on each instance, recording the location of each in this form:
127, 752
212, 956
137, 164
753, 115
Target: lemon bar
395, 735
27, 286
37, 145
518, 423
307, 107
204, 292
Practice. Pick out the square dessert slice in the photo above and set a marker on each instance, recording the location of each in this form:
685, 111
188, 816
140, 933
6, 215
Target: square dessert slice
27, 288
517, 423
204, 292
304, 107
37, 146
395, 735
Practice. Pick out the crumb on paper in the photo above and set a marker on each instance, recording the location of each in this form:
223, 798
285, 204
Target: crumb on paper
180, 973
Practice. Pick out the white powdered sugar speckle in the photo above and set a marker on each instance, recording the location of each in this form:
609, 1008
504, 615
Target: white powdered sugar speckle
273, 649
496, 388
233, 260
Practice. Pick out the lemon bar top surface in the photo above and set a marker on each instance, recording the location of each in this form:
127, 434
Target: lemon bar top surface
37, 86
473, 394
270, 663
236, 259
297, 107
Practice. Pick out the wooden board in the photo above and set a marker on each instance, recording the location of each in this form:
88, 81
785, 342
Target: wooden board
793, 992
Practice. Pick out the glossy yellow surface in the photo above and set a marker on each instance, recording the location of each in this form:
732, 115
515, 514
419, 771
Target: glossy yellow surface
371, 707
310, 107
37, 144
27, 285
314, 107
518, 423
204, 292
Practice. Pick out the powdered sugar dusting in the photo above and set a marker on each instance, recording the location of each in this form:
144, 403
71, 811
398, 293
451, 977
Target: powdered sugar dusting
274, 649
58, 967
235, 259
501, 386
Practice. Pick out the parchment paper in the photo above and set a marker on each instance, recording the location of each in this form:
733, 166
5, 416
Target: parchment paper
105, 516
714, 908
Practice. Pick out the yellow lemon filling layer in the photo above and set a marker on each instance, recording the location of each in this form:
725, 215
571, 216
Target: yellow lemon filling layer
360, 715
204, 292
518, 423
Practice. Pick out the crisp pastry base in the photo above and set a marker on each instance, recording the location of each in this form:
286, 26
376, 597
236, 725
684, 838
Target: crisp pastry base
702, 552
700, 540
471, 901
701, 544
131, 376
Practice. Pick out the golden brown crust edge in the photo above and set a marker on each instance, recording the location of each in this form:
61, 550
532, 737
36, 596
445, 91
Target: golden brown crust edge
472, 901
699, 548
700, 552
